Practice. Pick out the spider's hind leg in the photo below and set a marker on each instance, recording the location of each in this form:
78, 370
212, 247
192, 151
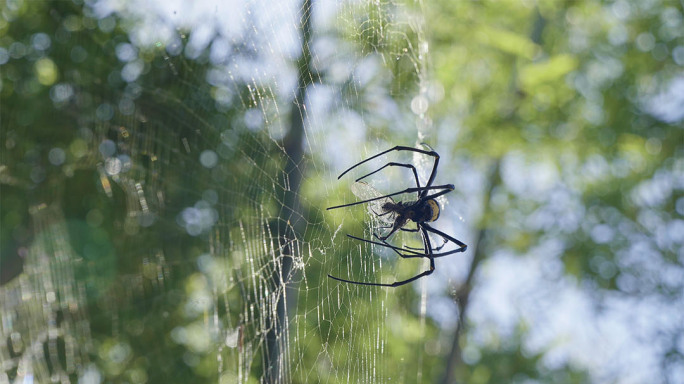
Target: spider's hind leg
408, 253
461, 245
410, 230
427, 272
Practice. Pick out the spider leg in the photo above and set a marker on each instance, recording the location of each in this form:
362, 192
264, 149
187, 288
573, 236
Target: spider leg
383, 238
442, 188
410, 230
418, 229
426, 242
411, 253
394, 164
427, 145
397, 148
405, 247
461, 245
388, 235
448, 188
433, 173
444, 239
444, 242
428, 254
382, 214
395, 284
390, 246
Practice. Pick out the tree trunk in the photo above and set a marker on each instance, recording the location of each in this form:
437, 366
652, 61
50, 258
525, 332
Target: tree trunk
290, 220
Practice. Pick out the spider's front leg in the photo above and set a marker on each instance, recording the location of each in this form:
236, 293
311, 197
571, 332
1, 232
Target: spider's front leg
398, 148
394, 164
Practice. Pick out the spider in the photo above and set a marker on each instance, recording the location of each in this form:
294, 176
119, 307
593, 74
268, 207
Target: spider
398, 214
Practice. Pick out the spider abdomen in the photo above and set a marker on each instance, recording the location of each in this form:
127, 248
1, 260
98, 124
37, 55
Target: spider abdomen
422, 211
434, 210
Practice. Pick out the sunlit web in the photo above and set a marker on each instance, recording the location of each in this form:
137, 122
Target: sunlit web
210, 199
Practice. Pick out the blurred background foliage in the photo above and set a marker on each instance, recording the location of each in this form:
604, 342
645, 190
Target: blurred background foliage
150, 213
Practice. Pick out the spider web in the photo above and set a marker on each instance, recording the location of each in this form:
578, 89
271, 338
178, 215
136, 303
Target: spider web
176, 227
206, 240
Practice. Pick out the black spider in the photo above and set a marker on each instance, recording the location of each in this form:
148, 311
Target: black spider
398, 214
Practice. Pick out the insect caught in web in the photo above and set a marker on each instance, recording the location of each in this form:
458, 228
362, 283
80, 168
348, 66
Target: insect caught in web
397, 214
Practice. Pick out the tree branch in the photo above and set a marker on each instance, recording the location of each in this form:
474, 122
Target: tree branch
463, 293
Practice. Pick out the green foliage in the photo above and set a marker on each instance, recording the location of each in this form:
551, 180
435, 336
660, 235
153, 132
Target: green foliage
564, 83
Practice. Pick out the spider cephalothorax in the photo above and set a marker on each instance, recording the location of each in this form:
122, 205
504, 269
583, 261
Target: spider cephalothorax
399, 214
